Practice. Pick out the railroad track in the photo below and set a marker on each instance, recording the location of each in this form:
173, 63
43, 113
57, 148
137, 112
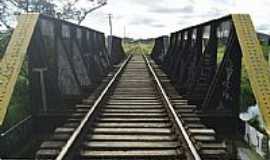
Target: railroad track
134, 117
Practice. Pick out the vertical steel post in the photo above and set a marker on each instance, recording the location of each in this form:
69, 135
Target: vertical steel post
43, 87
110, 37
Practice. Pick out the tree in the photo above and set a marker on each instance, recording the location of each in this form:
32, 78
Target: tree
4, 14
73, 11
68, 10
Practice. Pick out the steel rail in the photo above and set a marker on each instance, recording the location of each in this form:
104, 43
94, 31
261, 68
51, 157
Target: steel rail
75, 136
176, 117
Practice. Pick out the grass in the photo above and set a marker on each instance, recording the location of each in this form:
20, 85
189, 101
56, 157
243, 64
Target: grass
138, 47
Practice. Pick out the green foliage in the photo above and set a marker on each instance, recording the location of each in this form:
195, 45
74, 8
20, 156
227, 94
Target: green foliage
4, 39
19, 106
266, 50
220, 53
247, 97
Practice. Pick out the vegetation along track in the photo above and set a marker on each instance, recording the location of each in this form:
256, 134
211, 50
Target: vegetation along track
134, 118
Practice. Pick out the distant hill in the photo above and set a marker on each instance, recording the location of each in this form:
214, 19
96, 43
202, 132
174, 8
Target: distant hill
146, 41
265, 38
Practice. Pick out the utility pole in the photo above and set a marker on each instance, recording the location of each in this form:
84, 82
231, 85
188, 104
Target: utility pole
125, 32
110, 23
110, 39
27, 6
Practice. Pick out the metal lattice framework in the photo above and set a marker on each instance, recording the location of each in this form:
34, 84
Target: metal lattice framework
117, 53
64, 60
204, 63
160, 49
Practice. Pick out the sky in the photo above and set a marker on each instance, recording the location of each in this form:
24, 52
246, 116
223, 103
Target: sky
153, 18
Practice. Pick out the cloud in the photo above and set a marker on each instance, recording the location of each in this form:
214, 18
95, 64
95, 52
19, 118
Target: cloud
152, 18
160, 10
142, 21
224, 2
214, 12
150, 22
263, 27
181, 22
158, 25
147, 3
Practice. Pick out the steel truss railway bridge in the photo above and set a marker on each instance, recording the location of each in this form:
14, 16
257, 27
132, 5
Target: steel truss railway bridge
180, 102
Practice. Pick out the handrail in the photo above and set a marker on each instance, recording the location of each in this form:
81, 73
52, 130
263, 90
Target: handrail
76, 134
176, 117
15, 126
